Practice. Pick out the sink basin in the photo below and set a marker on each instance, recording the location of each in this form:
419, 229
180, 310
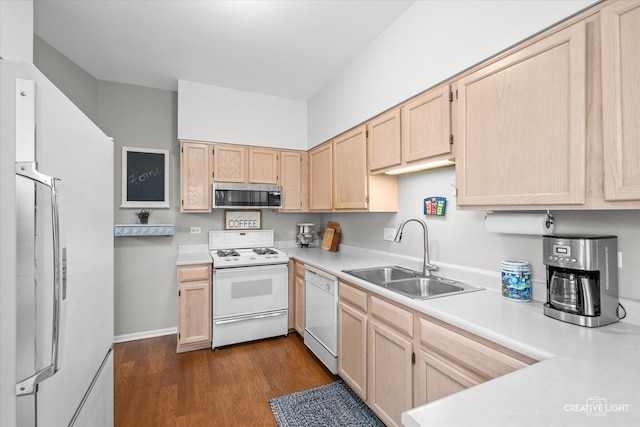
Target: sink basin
411, 283
422, 287
380, 275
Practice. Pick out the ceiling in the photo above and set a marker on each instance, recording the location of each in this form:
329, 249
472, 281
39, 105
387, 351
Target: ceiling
287, 48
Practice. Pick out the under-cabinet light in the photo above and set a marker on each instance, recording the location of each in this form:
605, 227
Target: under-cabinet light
422, 167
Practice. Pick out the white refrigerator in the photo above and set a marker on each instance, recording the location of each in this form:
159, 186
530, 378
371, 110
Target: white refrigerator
56, 257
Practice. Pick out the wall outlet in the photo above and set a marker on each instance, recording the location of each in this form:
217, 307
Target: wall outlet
196, 230
389, 234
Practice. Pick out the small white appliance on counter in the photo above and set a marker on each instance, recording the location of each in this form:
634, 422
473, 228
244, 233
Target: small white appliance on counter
321, 316
250, 287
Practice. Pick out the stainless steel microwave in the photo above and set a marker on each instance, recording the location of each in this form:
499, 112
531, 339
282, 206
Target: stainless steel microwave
246, 196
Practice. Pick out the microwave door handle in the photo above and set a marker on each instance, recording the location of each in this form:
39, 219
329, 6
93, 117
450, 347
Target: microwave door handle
28, 386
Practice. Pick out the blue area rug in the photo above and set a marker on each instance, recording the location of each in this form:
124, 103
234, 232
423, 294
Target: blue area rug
331, 405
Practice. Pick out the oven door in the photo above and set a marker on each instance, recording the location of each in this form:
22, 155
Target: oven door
243, 291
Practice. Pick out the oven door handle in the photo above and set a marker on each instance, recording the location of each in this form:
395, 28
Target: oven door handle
243, 319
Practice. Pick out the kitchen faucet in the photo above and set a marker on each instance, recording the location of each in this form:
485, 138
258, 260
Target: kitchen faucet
426, 265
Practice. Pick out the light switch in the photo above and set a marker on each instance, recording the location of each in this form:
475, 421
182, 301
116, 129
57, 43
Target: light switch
196, 230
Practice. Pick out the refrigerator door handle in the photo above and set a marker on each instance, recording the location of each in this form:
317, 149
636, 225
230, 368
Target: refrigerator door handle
29, 385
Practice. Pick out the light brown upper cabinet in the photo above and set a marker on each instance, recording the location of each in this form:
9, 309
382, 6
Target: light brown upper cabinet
294, 167
350, 169
321, 178
195, 176
417, 131
426, 125
384, 143
339, 179
263, 165
521, 132
242, 164
620, 32
229, 163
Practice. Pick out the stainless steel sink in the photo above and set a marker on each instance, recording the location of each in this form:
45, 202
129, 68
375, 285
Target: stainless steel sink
411, 283
380, 275
421, 287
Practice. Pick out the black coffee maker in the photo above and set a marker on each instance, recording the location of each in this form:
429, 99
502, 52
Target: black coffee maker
582, 278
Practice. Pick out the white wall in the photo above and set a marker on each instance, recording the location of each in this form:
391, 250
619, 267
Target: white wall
218, 114
16, 30
460, 237
429, 43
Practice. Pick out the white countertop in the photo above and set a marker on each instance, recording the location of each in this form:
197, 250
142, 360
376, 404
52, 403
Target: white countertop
581, 367
193, 254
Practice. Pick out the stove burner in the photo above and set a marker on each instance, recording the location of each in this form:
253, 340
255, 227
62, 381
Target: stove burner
265, 251
227, 252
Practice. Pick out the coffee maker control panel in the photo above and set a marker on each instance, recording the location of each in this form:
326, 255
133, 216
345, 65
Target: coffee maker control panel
566, 253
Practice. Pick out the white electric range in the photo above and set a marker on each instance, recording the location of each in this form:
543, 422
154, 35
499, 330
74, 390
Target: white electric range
250, 286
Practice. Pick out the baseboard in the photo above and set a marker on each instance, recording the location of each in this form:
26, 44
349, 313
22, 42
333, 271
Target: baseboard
143, 335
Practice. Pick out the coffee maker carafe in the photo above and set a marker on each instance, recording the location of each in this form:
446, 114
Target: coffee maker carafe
582, 279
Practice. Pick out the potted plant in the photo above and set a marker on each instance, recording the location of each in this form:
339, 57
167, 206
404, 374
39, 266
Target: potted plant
143, 216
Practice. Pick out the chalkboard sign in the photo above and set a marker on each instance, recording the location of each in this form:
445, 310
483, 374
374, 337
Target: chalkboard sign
145, 178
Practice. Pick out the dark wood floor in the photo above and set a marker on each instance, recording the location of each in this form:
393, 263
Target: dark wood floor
155, 386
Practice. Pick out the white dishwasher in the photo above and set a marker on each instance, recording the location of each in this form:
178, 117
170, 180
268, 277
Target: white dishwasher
321, 316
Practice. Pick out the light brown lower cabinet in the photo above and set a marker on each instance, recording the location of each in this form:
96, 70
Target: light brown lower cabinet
352, 338
194, 307
390, 373
396, 358
299, 298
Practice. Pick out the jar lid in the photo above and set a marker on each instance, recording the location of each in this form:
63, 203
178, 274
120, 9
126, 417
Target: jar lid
515, 263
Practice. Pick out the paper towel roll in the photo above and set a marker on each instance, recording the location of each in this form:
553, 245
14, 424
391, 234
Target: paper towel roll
519, 223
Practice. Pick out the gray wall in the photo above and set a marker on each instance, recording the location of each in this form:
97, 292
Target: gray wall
79, 86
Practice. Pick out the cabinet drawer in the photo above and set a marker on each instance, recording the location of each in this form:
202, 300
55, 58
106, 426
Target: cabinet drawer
299, 269
353, 296
192, 274
482, 358
393, 315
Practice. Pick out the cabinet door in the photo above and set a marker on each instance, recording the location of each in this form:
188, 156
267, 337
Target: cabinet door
195, 177
352, 348
229, 163
291, 179
621, 99
436, 378
521, 126
383, 141
390, 389
299, 321
263, 166
350, 169
194, 312
426, 125
321, 176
